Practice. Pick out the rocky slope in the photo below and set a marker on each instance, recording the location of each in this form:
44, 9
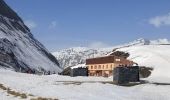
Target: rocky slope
19, 50
77, 55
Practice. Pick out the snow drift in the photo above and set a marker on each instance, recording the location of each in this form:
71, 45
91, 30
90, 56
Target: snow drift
154, 56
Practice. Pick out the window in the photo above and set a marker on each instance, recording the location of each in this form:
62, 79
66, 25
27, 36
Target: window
95, 67
99, 66
111, 66
91, 67
106, 66
117, 59
103, 66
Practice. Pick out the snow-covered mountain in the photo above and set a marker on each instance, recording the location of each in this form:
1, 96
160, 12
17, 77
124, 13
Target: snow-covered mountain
19, 50
77, 55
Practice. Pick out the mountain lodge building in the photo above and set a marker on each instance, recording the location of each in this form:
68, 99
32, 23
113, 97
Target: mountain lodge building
103, 66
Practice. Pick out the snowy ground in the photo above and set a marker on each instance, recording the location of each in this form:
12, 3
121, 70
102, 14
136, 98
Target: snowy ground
52, 86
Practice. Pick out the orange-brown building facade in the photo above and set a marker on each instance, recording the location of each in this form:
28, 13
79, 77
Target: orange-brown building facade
103, 66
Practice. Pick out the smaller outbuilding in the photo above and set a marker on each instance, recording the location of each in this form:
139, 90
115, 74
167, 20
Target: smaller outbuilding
123, 75
78, 70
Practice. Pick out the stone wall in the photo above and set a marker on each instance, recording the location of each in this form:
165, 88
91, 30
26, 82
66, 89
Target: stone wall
123, 75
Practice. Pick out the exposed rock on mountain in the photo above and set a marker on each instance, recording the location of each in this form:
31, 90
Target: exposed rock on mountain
77, 55
19, 50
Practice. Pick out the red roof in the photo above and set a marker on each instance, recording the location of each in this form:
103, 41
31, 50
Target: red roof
108, 59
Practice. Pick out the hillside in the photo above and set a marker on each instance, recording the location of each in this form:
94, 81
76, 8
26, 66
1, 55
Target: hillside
149, 53
77, 55
19, 50
155, 56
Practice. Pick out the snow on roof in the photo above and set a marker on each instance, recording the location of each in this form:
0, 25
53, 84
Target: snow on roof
79, 66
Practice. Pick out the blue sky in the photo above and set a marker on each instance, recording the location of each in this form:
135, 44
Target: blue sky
62, 24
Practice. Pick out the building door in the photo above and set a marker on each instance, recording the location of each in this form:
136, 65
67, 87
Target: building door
110, 73
106, 74
99, 73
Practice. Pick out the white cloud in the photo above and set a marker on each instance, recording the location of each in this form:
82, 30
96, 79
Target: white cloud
159, 21
31, 24
98, 45
53, 24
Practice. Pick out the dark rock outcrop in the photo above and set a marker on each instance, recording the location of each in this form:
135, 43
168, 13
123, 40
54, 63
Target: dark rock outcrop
120, 54
145, 71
